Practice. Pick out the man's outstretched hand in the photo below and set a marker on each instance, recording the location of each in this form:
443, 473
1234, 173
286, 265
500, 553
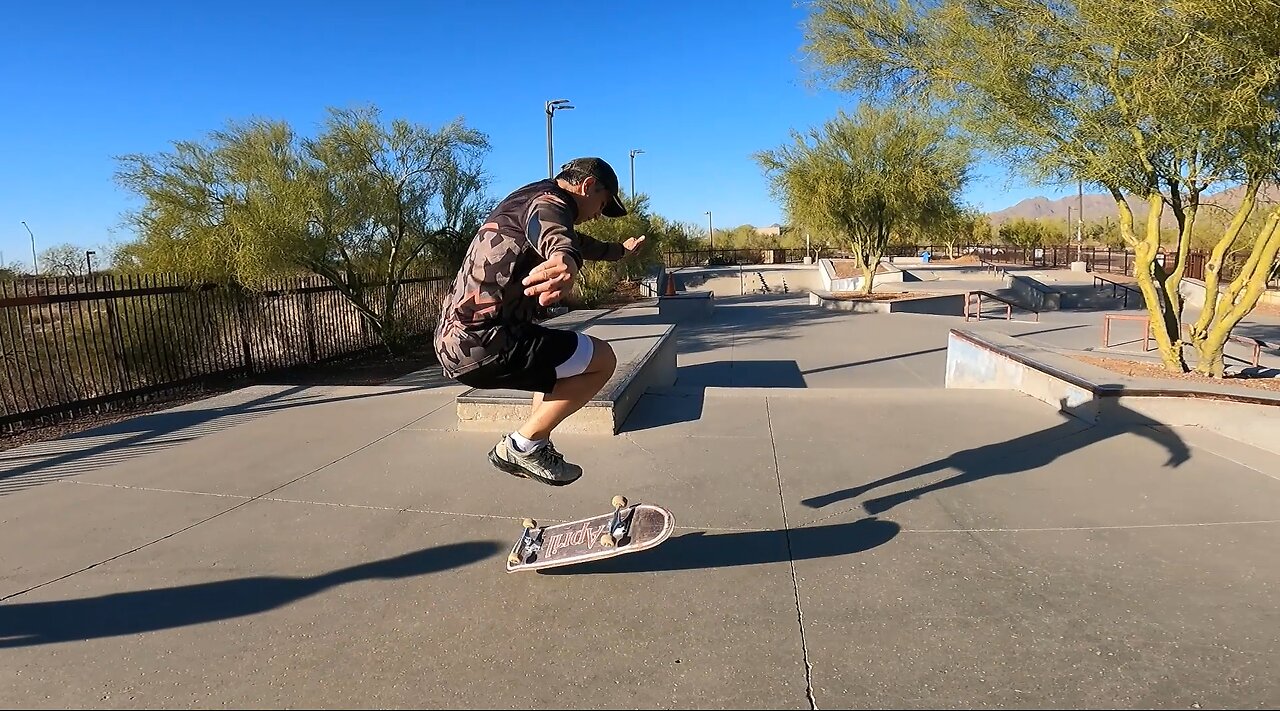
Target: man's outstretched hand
551, 280
633, 244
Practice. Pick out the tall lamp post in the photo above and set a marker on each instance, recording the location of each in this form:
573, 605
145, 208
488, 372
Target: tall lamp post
88, 261
552, 107
35, 263
633, 153
711, 233
1080, 226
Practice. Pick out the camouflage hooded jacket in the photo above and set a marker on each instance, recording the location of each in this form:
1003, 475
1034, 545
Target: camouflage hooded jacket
486, 308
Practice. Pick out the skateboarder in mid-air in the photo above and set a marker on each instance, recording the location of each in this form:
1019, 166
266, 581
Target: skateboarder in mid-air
528, 254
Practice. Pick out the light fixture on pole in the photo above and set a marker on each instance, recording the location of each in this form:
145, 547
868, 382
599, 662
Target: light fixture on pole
711, 233
88, 262
35, 263
552, 107
633, 153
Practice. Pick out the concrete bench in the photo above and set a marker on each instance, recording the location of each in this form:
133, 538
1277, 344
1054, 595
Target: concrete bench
646, 358
686, 306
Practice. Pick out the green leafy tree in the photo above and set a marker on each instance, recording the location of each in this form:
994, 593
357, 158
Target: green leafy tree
865, 177
959, 227
364, 205
1159, 99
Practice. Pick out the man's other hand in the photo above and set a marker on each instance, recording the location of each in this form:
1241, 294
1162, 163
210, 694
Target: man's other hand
551, 280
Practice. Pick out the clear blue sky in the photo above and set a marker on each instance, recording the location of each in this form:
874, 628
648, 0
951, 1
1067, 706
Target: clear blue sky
699, 86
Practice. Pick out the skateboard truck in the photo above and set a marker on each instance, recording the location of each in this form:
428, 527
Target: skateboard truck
617, 525
530, 543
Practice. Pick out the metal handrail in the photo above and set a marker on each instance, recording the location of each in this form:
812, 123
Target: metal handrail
1114, 284
990, 265
1008, 305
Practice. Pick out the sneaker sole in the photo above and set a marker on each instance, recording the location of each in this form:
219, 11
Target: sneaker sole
515, 470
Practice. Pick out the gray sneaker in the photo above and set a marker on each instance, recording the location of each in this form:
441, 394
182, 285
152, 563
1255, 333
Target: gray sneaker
544, 464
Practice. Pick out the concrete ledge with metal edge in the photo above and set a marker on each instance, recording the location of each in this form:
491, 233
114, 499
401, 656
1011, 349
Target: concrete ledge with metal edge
933, 304
1099, 396
646, 358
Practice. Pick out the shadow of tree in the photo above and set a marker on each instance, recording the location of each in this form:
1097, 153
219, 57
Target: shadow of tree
1020, 454
35, 623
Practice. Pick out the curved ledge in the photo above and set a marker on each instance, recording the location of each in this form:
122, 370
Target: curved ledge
1024, 354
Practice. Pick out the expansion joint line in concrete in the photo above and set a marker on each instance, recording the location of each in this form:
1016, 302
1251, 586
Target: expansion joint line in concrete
795, 585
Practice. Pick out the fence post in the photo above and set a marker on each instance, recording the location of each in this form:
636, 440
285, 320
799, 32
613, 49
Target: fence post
117, 338
309, 323
243, 312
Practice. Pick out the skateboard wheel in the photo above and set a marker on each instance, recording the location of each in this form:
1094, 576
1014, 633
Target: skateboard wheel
513, 559
530, 523
606, 540
619, 502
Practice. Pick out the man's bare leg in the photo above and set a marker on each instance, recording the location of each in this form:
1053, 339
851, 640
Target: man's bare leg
570, 394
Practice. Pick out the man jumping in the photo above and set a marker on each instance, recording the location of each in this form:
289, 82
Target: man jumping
528, 254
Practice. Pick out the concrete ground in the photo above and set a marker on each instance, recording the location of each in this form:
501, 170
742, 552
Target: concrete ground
850, 534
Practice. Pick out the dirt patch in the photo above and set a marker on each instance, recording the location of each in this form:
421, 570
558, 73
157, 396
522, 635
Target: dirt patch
848, 268
1137, 369
622, 293
966, 259
885, 296
625, 292
1268, 309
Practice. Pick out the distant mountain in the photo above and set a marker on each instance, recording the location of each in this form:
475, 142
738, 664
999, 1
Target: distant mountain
1098, 207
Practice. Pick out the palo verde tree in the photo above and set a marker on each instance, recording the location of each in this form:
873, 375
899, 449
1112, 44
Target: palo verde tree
1158, 99
863, 178
954, 227
363, 205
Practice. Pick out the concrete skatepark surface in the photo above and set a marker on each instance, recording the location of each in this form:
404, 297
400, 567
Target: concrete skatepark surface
849, 534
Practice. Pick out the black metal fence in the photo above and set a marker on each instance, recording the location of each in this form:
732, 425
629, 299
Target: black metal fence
73, 344
1114, 261
731, 257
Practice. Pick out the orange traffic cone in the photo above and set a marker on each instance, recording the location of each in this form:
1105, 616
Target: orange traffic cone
671, 285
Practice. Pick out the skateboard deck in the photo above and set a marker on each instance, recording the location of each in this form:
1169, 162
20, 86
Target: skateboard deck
629, 528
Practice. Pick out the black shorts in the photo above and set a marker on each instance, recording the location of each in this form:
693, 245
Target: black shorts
529, 364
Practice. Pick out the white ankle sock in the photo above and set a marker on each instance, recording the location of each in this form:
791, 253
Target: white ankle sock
525, 445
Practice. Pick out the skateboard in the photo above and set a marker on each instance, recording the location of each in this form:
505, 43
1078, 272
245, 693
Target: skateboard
629, 528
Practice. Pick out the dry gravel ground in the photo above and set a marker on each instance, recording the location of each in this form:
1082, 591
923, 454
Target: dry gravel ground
1155, 370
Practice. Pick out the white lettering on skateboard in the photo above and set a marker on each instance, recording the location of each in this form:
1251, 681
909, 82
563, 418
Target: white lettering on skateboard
587, 534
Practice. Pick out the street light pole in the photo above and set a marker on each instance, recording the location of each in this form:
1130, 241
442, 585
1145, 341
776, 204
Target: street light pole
634, 151
35, 263
711, 233
1080, 225
88, 263
551, 107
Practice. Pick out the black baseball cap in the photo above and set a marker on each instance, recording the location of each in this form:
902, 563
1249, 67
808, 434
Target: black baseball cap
604, 174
